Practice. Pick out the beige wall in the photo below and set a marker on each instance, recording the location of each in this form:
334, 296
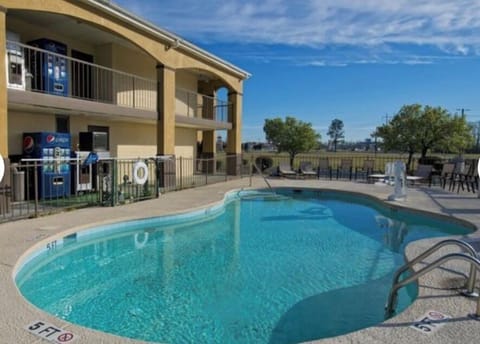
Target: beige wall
19, 123
29, 32
186, 80
4, 151
185, 147
185, 102
127, 139
138, 63
185, 143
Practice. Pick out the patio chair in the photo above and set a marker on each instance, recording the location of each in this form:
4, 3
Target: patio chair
307, 170
366, 169
446, 174
324, 168
421, 174
346, 167
285, 170
472, 180
467, 178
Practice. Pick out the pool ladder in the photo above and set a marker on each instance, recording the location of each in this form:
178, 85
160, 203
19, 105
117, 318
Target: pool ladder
472, 258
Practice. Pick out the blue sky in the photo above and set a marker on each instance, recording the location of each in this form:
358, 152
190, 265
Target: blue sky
318, 60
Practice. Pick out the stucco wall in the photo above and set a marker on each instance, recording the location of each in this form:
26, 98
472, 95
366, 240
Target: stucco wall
29, 32
185, 101
127, 139
185, 142
19, 123
186, 148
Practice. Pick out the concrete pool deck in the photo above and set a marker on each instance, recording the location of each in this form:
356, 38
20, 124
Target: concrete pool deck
436, 289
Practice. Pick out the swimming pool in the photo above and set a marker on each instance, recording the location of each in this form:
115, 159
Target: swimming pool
310, 264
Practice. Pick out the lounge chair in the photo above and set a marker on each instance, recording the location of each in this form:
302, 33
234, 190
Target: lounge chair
307, 170
324, 168
285, 170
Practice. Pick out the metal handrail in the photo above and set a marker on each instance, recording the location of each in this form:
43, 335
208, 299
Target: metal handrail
264, 178
393, 296
471, 280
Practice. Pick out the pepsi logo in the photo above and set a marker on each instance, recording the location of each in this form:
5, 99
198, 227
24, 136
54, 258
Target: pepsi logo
50, 138
28, 144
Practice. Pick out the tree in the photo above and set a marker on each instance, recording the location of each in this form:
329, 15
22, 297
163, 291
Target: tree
292, 136
420, 129
400, 133
336, 133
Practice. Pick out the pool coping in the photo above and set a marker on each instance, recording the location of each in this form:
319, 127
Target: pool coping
18, 239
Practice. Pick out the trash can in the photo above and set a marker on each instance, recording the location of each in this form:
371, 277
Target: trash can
18, 184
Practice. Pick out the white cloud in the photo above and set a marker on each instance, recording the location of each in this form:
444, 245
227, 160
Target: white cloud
451, 26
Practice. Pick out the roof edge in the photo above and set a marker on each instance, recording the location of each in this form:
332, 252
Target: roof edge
175, 40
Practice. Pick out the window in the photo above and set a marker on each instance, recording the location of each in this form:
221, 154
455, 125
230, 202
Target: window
62, 123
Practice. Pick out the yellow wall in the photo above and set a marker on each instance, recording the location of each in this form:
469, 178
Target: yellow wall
29, 32
185, 148
185, 102
127, 139
133, 61
185, 142
137, 63
4, 151
19, 123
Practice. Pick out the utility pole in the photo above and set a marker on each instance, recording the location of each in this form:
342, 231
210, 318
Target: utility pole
462, 111
387, 118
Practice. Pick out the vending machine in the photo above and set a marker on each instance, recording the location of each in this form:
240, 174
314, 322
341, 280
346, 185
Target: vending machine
49, 70
53, 152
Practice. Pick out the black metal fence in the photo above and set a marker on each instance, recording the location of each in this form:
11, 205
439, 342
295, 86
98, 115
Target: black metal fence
37, 187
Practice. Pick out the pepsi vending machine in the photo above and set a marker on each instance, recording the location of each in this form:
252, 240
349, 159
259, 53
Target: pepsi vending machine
49, 69
54, 151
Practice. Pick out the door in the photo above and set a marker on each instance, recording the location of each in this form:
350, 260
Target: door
82, 75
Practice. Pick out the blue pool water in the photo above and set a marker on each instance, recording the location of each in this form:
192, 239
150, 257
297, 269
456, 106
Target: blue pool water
258, 270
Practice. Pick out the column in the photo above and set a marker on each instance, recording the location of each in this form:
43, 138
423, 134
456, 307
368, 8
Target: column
166, 168
208, 136
3, 87
234, 135
5, 179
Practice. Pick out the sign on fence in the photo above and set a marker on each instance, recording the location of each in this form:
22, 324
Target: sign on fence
2, 168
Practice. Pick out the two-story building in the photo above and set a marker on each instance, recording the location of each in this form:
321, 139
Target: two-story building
80, 66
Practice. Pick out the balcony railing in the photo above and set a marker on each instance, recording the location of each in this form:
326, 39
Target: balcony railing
197, 105
38, 70
44, 71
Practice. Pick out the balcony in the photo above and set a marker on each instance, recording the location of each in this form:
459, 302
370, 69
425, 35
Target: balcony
199, 110
44, 80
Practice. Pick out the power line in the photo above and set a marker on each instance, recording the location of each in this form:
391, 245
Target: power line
462, 111
387, 118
